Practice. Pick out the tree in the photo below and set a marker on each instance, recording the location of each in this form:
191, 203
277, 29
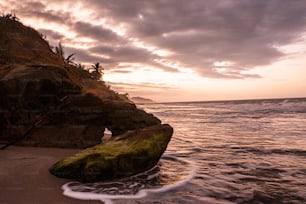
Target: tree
59, 50
96, 67
10, 16
70, 59
98, 70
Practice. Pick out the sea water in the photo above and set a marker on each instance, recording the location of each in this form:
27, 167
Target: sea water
251, 151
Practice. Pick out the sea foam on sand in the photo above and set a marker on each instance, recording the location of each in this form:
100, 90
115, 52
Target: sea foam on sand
107, 198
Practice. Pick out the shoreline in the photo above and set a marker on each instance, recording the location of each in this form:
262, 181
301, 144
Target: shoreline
25, 179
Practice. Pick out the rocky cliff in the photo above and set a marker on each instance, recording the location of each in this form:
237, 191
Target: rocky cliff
47, 102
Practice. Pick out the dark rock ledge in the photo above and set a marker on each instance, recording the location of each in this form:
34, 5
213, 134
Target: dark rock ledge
46, 102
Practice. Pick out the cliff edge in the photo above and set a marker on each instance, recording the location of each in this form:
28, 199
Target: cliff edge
47, 102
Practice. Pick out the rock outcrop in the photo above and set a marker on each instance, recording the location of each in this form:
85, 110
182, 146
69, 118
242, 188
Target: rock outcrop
125, 155
141, 100
47, 102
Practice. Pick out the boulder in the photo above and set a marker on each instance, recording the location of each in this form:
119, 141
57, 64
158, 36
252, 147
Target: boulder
124, 155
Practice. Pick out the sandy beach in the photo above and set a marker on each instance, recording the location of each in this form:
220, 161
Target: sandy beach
24, 176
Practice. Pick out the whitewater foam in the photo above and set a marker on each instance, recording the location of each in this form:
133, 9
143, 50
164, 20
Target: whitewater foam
69, 191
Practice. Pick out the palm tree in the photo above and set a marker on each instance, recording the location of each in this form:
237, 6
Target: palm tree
96, 67
98, 70
70, 59
59, 50
14, 17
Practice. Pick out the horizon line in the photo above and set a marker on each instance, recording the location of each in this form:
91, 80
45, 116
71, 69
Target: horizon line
230, 100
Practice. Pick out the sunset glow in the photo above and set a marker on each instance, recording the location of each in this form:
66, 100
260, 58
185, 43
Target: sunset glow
178, 51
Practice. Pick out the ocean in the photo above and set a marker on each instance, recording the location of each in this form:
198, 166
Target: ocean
248, 152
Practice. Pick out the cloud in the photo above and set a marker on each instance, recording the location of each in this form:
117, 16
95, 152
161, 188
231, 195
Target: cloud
128, 53
142, 85
121, 71
141, 89
198, 34
52, 34
125, 53
82, 55
103, 35
49, 15
40, 10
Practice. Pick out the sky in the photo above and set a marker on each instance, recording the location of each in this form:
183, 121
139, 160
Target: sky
181, 50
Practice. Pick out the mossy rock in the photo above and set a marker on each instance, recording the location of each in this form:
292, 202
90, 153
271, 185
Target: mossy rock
124, 155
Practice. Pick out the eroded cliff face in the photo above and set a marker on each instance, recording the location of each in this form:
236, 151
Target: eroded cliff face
47, 102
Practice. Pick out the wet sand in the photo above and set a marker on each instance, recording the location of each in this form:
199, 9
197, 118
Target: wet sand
25, 179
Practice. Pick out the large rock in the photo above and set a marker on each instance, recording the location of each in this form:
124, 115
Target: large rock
47, 102
42, 106
124, 155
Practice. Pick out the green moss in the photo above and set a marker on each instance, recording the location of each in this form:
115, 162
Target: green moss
115, 158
